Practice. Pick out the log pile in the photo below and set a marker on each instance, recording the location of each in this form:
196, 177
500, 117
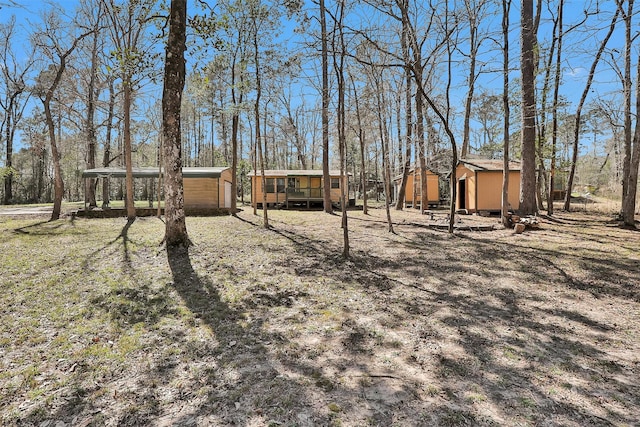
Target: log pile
520, 224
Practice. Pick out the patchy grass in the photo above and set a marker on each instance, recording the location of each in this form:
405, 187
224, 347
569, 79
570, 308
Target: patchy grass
100, 326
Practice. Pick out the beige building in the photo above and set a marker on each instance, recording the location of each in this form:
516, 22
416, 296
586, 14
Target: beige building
479, 185
413, 192
207, 190
295, 188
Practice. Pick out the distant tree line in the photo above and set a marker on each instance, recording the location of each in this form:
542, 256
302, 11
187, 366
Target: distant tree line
553, 83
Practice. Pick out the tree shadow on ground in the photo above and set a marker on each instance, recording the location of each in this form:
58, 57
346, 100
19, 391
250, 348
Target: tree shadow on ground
497, 367
213, 370
242, 384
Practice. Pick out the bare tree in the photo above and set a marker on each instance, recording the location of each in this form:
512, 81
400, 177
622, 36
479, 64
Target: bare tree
581, 102
406, 33
475, 13
631, 139
129, 25
93, 13
49, 41
14, 98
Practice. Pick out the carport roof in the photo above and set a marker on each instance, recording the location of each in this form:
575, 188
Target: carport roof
187, 172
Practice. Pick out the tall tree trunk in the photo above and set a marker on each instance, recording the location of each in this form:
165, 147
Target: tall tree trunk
424, 196
629, 202
126, 135
174, 76
554, 131
384, 147
361, 139
541, 137
627, 86
629, 166
326, 178
527, 64
261, 153
473, 53
92, 140
408, 112
106, 160
8, 179
506, 7
58, 184
338, 61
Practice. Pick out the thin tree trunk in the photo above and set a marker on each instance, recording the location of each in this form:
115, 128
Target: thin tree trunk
408, 115
386, 173
265, 215
328, 208
629, 202
8, 179
106, 160
129, 202
58, 184
92, 140
361, 139
554, 131
506, 7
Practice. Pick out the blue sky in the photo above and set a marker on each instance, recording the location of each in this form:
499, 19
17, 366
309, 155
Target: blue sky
576, 64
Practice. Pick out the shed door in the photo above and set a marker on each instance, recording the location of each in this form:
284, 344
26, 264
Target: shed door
227, 194
462, 194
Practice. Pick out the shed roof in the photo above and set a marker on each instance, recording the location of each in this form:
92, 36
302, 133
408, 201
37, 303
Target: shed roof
488, 164
413, 169
294, 172
187, 172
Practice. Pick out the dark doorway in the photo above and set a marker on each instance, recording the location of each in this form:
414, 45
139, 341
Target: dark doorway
462, 190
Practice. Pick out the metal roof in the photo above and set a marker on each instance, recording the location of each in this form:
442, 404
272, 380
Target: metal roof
187, 172
488, 164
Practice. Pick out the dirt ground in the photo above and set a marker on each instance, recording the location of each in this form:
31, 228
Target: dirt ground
256, 327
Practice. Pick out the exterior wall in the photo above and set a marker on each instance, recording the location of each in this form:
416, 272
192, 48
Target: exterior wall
490, 190
257, 193
312, 182
412, 194
483, 190
468, 194
201, 193
225, 176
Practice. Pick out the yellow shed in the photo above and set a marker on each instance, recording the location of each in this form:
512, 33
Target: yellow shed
295, 188
479, 185
413, 194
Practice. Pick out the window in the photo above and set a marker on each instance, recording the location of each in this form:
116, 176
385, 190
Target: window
270, 187
335, 182
281, 187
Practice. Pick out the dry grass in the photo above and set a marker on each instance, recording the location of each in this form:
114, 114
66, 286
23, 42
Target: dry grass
254, 327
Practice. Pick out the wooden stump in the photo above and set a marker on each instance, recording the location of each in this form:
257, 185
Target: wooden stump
520, 227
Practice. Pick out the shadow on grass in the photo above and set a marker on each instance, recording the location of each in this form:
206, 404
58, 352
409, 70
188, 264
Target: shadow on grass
242, 384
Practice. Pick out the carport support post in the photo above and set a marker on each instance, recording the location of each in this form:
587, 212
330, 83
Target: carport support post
84, 193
